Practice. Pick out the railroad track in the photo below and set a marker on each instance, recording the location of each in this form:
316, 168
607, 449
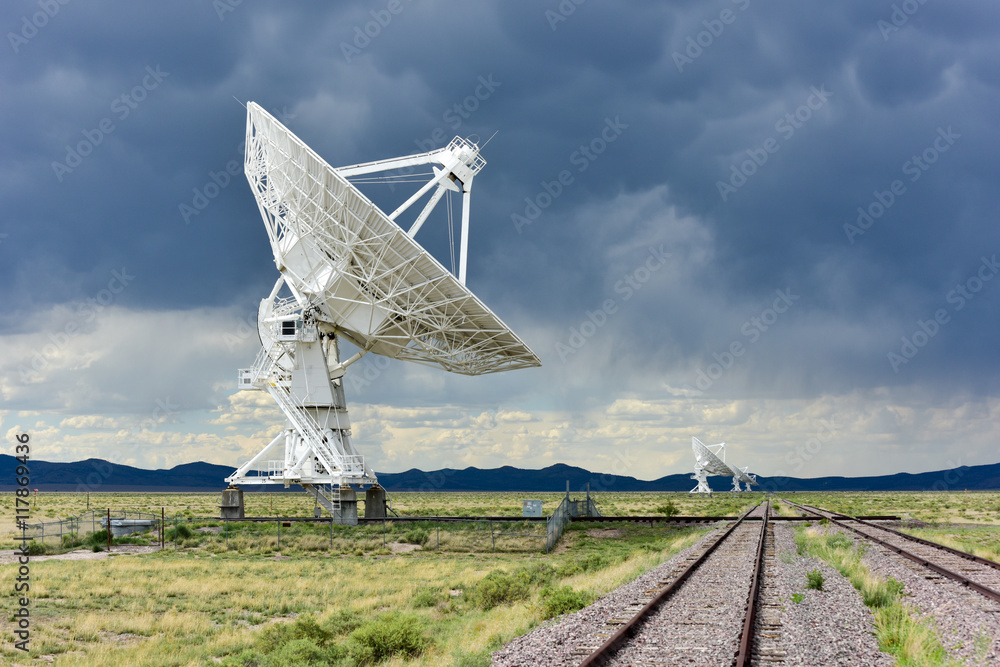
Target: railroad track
978, 574
702, 612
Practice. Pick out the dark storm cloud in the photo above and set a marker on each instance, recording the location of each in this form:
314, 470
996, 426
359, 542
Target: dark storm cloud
745, 154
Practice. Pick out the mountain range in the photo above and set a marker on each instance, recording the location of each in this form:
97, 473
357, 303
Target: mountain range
99, 475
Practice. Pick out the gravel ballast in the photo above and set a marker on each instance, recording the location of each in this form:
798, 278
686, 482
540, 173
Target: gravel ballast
968, 623
828, 627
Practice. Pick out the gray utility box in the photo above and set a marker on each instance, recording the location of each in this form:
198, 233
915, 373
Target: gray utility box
531, 508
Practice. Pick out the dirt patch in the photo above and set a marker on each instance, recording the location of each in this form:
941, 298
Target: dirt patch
606, 532
401, 548
565, 542
81, 554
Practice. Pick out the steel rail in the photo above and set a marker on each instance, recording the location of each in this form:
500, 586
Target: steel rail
943, 571
606, 651
746, 638
958, 552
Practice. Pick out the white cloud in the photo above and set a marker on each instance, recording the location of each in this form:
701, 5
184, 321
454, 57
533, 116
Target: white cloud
78, 360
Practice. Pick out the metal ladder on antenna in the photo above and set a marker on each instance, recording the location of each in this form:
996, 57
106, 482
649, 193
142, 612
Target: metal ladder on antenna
306, 427
263, 373
330, 503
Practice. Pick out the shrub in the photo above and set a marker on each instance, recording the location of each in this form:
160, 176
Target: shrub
538, 574
388, 636
500, 587
181, 532
838, 541
879, 595
564, 600
426, 598
98, 537
343, 623
246, 658
814, 580
273, 637
71, 541
97, 548
418, 536
668, 509
304, 653
37, 548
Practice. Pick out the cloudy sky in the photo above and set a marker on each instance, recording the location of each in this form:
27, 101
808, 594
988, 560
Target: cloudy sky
776, 226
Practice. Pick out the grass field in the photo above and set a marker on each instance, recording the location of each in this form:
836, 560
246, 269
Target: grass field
244, 600
929, 507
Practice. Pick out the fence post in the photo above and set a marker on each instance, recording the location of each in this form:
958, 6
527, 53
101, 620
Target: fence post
279, 534
437, 526
227, 534
163, 530
175, 533
109, 530
331, 532
383, 532
493, 537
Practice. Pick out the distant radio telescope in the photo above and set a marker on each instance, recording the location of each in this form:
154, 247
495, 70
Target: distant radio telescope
707, 462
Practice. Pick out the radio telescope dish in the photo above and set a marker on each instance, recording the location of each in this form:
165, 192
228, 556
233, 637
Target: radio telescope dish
742, 475
353, 273
706, 462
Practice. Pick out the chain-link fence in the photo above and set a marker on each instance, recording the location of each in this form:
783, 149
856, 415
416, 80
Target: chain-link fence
289, 535
90, 527
567, 509
298, 534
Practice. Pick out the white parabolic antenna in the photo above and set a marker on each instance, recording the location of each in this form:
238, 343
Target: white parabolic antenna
353, 273
707, 462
